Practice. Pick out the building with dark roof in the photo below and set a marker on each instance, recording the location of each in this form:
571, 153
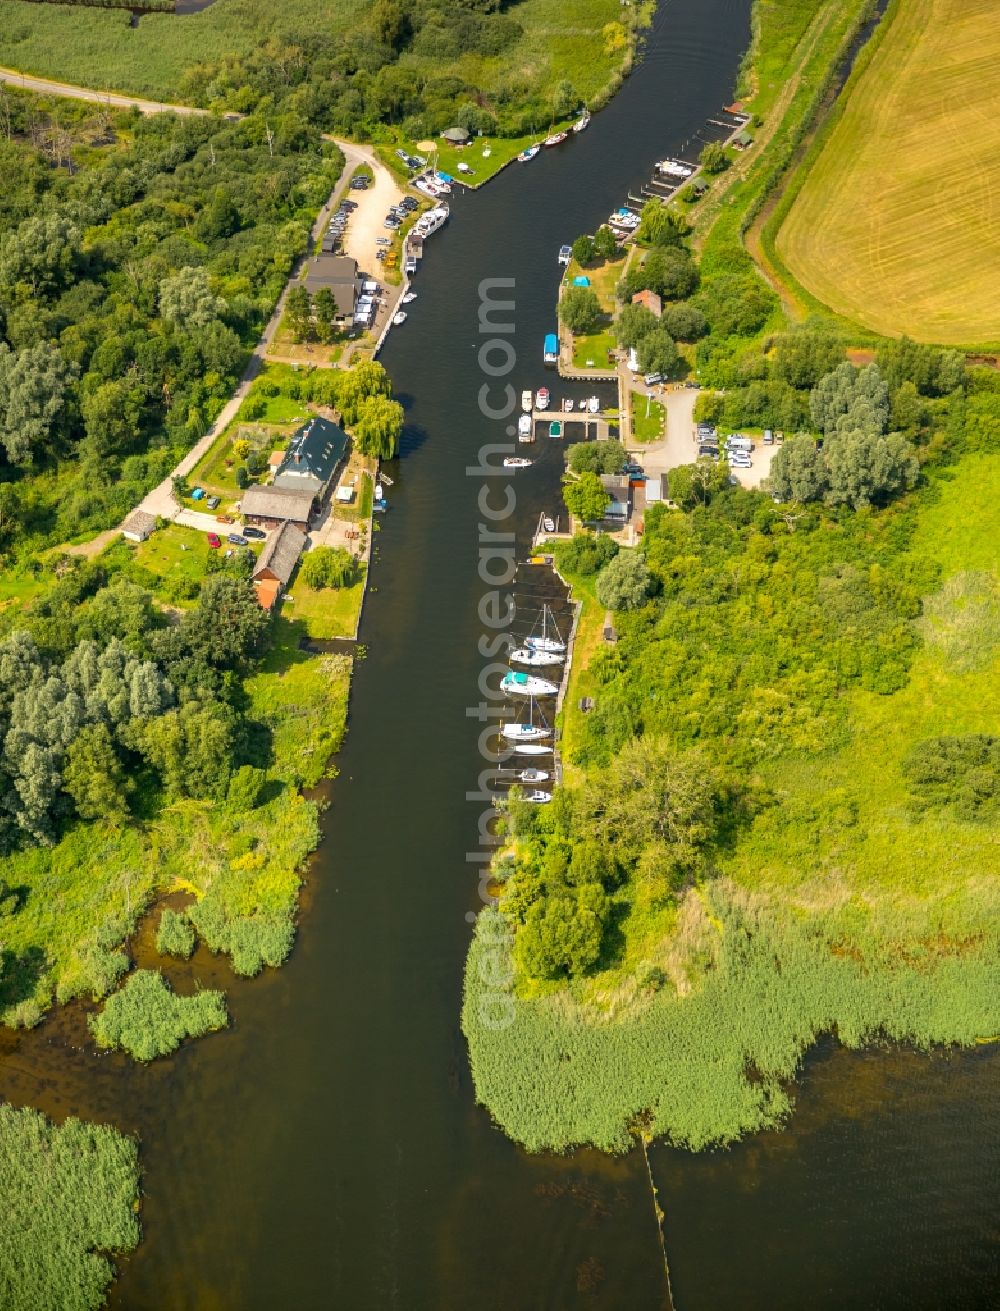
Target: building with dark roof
338, 273
312, 457
270, 507
277, 562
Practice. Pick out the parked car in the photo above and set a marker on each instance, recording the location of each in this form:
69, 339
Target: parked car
223, 518
213, 502
235, 539
408, 203
256, 533
383, 241
214, 540
359, 184
768, 437
651, 379
711, 451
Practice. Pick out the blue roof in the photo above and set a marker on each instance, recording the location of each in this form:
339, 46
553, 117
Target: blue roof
445, 177
581, 281
551, 343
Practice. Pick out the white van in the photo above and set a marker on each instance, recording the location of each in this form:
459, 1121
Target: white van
742, 444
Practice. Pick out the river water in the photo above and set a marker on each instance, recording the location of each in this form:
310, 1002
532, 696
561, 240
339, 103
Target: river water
326, 1151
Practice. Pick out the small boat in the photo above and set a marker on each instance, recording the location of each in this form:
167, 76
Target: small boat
525, 428
400, 317
379, 493
524, 655
538, 797
582, 122
549, 524
556, 139
565, 254
567, 406
409, 298
594, 404
516, 462
532, 776
542, 398
528, 154
544, 642
555, 428
523, 733
526, 401
550, 350
517, 684
583, 405
532, 750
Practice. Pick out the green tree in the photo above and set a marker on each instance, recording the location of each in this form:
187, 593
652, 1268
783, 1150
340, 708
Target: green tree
325, 312
363, 381
246, 787
93, 776
191, 749
586, 498
625, 582
736, 304
34, 384
708, 407
850, 398
660, 226
864, 467
798, 471
633, 323
657, 352
684, 321
695, 484
329, 566
562, 935
583, 249
187, 300
597, 457
111, 416
605, 243
670, 273
713, 158
802, 358
379, 427
38, 257
298, 307
580, 310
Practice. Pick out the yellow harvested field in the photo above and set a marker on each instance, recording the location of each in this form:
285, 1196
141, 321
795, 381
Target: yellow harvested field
897, 225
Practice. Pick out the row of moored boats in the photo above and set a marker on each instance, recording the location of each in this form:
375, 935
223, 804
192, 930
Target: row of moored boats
531, 734
556, 139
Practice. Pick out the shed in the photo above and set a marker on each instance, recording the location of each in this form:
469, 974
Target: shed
270, 507
280, 555
654, 490
313, 456
458, 136
651, 301
138, 526
267, 591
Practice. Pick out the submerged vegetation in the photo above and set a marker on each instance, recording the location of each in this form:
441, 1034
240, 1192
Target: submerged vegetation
70, 1197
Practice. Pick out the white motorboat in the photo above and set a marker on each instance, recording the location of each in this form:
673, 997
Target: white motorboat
567, 406
548, 524
435, 218
583, 405
517, 684
525, 428
529, 154
533, 776
526, 400
516, 462
409, 298
400, 317
674, 169
542, 398
523, 733
538, 797
565, 254
594, 404
524, 655
543, 641
532, 749
581, 123
556, 139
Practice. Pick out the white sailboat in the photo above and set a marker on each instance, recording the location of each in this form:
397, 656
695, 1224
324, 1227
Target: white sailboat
525, 656
532, 776
523, 732
545, 642
532, 750
517, 684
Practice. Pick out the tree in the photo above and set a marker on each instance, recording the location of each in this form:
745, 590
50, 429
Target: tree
798, 471
713, 158
38, 257
93, 776
364, 380
696, 484
111, 416
657, 352
329, 566
191, 748
736, 304
633, 323
670, 273
660, 226
562, 935
605, 243
859, 396
298, 307
324, 308
580, 310
246, 787
586, 498
802, 358
187, 300
684, 321
708, 407
583, 249
863, 467
597, 457
379, 427
625, 582
33, 388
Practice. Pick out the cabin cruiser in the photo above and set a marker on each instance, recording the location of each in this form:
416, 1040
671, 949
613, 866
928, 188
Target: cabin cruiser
548, 525
528, 154
538, 797
542, 398
399, 318
532, 776
565, 254
517, 684
409, 298
556, 139
526, 400
516, 462
674, 169
435, 218
525, 428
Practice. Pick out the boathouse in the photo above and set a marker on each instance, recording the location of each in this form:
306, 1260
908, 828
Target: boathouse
313, 456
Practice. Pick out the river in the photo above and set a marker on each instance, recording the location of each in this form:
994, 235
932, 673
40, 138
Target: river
326, 1151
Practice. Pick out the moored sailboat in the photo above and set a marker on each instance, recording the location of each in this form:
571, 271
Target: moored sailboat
517, 684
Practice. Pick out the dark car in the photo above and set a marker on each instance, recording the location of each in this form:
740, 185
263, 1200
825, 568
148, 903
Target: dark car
253, 532
359, 184
408, 203
234, 539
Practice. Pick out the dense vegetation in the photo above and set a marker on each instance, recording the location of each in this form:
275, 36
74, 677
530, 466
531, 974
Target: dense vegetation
70, 1196
139, 258
146, 1019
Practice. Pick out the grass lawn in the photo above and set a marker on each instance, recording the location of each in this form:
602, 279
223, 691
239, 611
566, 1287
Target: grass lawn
603, 279
309, 353
327, 613
592, 351
648, 418
893, 225
173, 553
16, 587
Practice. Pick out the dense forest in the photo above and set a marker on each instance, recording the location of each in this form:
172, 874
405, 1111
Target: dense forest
139, 259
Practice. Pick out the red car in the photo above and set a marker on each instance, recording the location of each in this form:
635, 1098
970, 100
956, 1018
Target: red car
214, 540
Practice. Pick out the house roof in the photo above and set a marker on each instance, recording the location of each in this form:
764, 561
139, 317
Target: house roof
139, 521
268, 591
278, 503
313, 454
340, 274
456, 134
281, 553
650, 299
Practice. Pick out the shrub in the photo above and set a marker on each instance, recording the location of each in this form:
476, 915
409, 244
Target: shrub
146, 1019
245, 787
175, 936
329, 566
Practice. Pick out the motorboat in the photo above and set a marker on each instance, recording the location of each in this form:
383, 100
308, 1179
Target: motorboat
523, 733
555, 428
533, 776
400, 317
525, 428
543, 641
567, 406
527, 400
582, 122
542, 398
528, 154
518, 684
379, 492
516, 462
524, 655
532, 749
556, 139
435, 218
537, 797
674, 169
583, 405
624, 218
565, 254
409, 298
550, 350
549, 525
594, 404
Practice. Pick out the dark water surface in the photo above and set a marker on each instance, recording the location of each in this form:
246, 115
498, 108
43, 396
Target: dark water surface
326, 1151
